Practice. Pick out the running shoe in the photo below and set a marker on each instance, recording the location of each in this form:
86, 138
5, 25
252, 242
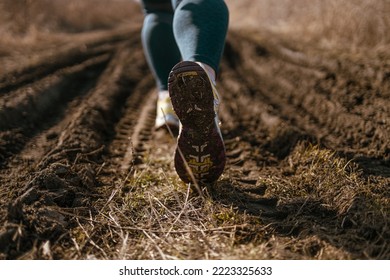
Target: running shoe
165, 115
200, 152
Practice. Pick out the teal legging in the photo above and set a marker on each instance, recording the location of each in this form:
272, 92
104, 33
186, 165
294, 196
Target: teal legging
176, 30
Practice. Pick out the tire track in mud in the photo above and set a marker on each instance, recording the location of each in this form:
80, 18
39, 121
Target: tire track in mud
294, 93
71, 54
135, 128
64, 176
26, 111
43, 88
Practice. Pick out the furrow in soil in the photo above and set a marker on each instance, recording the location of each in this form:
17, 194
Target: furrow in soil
65, 177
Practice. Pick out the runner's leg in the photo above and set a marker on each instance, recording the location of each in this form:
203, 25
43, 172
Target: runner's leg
200, 28
158, 41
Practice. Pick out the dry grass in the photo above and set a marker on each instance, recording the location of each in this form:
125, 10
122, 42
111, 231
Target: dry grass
349, 24
153, 215
333, 213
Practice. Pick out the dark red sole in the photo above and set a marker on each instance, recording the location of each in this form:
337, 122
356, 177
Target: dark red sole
201, 145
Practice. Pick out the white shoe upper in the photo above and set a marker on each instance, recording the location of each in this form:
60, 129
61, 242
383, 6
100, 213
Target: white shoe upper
165, 114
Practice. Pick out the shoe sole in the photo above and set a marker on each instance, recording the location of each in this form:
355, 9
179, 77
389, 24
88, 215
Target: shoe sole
200, 143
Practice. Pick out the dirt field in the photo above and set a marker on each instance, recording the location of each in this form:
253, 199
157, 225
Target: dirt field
83, 174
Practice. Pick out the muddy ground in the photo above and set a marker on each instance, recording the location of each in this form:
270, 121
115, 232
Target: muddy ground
83, 174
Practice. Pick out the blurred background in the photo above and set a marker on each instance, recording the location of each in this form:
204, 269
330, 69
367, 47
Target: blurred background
347, 23
350, 24
25, 16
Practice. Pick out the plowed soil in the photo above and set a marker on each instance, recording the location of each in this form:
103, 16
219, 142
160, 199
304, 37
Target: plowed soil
83, 173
